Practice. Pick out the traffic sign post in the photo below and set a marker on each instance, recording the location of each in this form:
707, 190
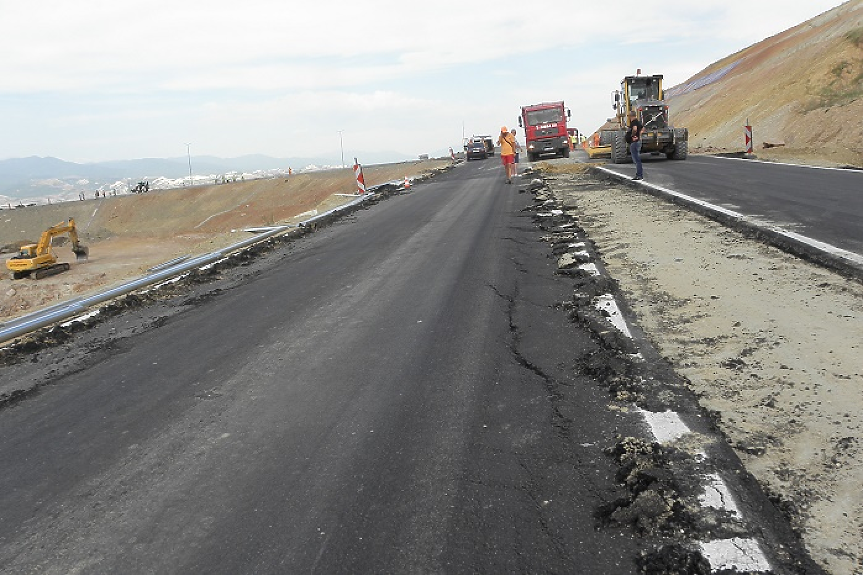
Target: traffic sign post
361, 182
748, 132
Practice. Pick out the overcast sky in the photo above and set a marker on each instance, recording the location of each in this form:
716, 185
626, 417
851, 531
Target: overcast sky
92, 80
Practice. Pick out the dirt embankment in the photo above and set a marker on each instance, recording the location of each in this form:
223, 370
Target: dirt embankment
802, 88
770, 343
127, 235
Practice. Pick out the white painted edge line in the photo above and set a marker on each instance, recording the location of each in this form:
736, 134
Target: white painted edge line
850, 171
825, 247
577, 246
262, 229
172, 280
606, 303
590, 268
740, 554
736, 553
665, 426
79, 318
717, 495
211, 264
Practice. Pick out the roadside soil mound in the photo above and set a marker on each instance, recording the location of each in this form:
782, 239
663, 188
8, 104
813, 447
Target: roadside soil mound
127, 235
801, 90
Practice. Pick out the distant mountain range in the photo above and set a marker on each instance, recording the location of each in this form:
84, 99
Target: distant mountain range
37, 177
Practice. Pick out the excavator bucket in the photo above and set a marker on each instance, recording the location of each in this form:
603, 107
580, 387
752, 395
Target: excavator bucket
81, 252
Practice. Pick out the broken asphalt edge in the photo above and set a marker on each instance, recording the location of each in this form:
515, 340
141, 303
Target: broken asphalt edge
29, 323
659, 390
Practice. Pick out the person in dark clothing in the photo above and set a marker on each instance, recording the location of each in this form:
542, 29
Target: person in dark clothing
633, 138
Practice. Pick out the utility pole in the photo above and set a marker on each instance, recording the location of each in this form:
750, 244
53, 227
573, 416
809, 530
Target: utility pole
189, 154
342, 146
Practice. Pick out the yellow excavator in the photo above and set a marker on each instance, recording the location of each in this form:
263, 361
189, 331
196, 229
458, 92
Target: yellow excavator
38, 260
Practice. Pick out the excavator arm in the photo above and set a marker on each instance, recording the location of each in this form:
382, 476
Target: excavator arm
44, 245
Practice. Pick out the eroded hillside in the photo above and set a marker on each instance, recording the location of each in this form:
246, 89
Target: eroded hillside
802, 88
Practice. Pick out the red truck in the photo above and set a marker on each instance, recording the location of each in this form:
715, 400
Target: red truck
545, 129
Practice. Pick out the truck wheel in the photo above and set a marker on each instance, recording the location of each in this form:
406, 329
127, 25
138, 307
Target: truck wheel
618, 148
531, 157
566, 152
681, 151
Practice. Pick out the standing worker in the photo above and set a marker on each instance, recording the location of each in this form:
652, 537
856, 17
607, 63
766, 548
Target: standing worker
633, 138
517, 153
507, 152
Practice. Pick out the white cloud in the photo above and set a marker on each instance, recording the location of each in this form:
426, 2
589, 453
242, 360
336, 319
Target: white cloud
158, 72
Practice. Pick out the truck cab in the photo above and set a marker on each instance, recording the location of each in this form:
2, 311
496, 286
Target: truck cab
545, 130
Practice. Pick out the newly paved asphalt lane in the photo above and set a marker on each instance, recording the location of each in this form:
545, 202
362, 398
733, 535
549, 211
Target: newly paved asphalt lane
823, 204
396, 393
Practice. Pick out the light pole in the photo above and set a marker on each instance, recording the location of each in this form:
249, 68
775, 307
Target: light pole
342, 146
189, 154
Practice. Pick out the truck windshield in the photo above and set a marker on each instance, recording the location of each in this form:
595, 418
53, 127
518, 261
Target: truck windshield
545, 116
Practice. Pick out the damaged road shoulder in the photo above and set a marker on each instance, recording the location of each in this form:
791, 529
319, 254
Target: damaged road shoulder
684, 485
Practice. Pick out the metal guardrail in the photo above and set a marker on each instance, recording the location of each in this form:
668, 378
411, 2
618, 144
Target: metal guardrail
79, 305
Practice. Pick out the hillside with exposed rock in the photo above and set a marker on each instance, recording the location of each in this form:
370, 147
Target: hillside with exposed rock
801, 90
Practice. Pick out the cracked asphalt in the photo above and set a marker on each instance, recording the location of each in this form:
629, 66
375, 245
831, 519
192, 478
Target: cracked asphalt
398, 392
416, 387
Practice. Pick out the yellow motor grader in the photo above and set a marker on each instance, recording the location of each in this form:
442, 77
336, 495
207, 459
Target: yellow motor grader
38, 260
642, 97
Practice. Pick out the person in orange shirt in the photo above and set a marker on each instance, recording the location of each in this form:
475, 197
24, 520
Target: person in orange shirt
506, 141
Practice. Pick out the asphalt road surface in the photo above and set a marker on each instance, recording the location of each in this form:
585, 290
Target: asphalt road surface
396, 393
823, 204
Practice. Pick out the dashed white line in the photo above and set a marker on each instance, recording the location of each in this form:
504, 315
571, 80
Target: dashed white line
607, 304
665, 426
717, 495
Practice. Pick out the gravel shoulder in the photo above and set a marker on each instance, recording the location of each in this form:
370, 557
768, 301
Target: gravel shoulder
770, 344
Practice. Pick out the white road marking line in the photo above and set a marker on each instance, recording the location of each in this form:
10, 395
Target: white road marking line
79, 318
717, 495
606, 303
740, 554
823, 246
665, 426
791, 165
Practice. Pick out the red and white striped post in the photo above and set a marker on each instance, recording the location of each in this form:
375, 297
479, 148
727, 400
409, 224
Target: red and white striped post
452, 154
361, 182
748, 131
